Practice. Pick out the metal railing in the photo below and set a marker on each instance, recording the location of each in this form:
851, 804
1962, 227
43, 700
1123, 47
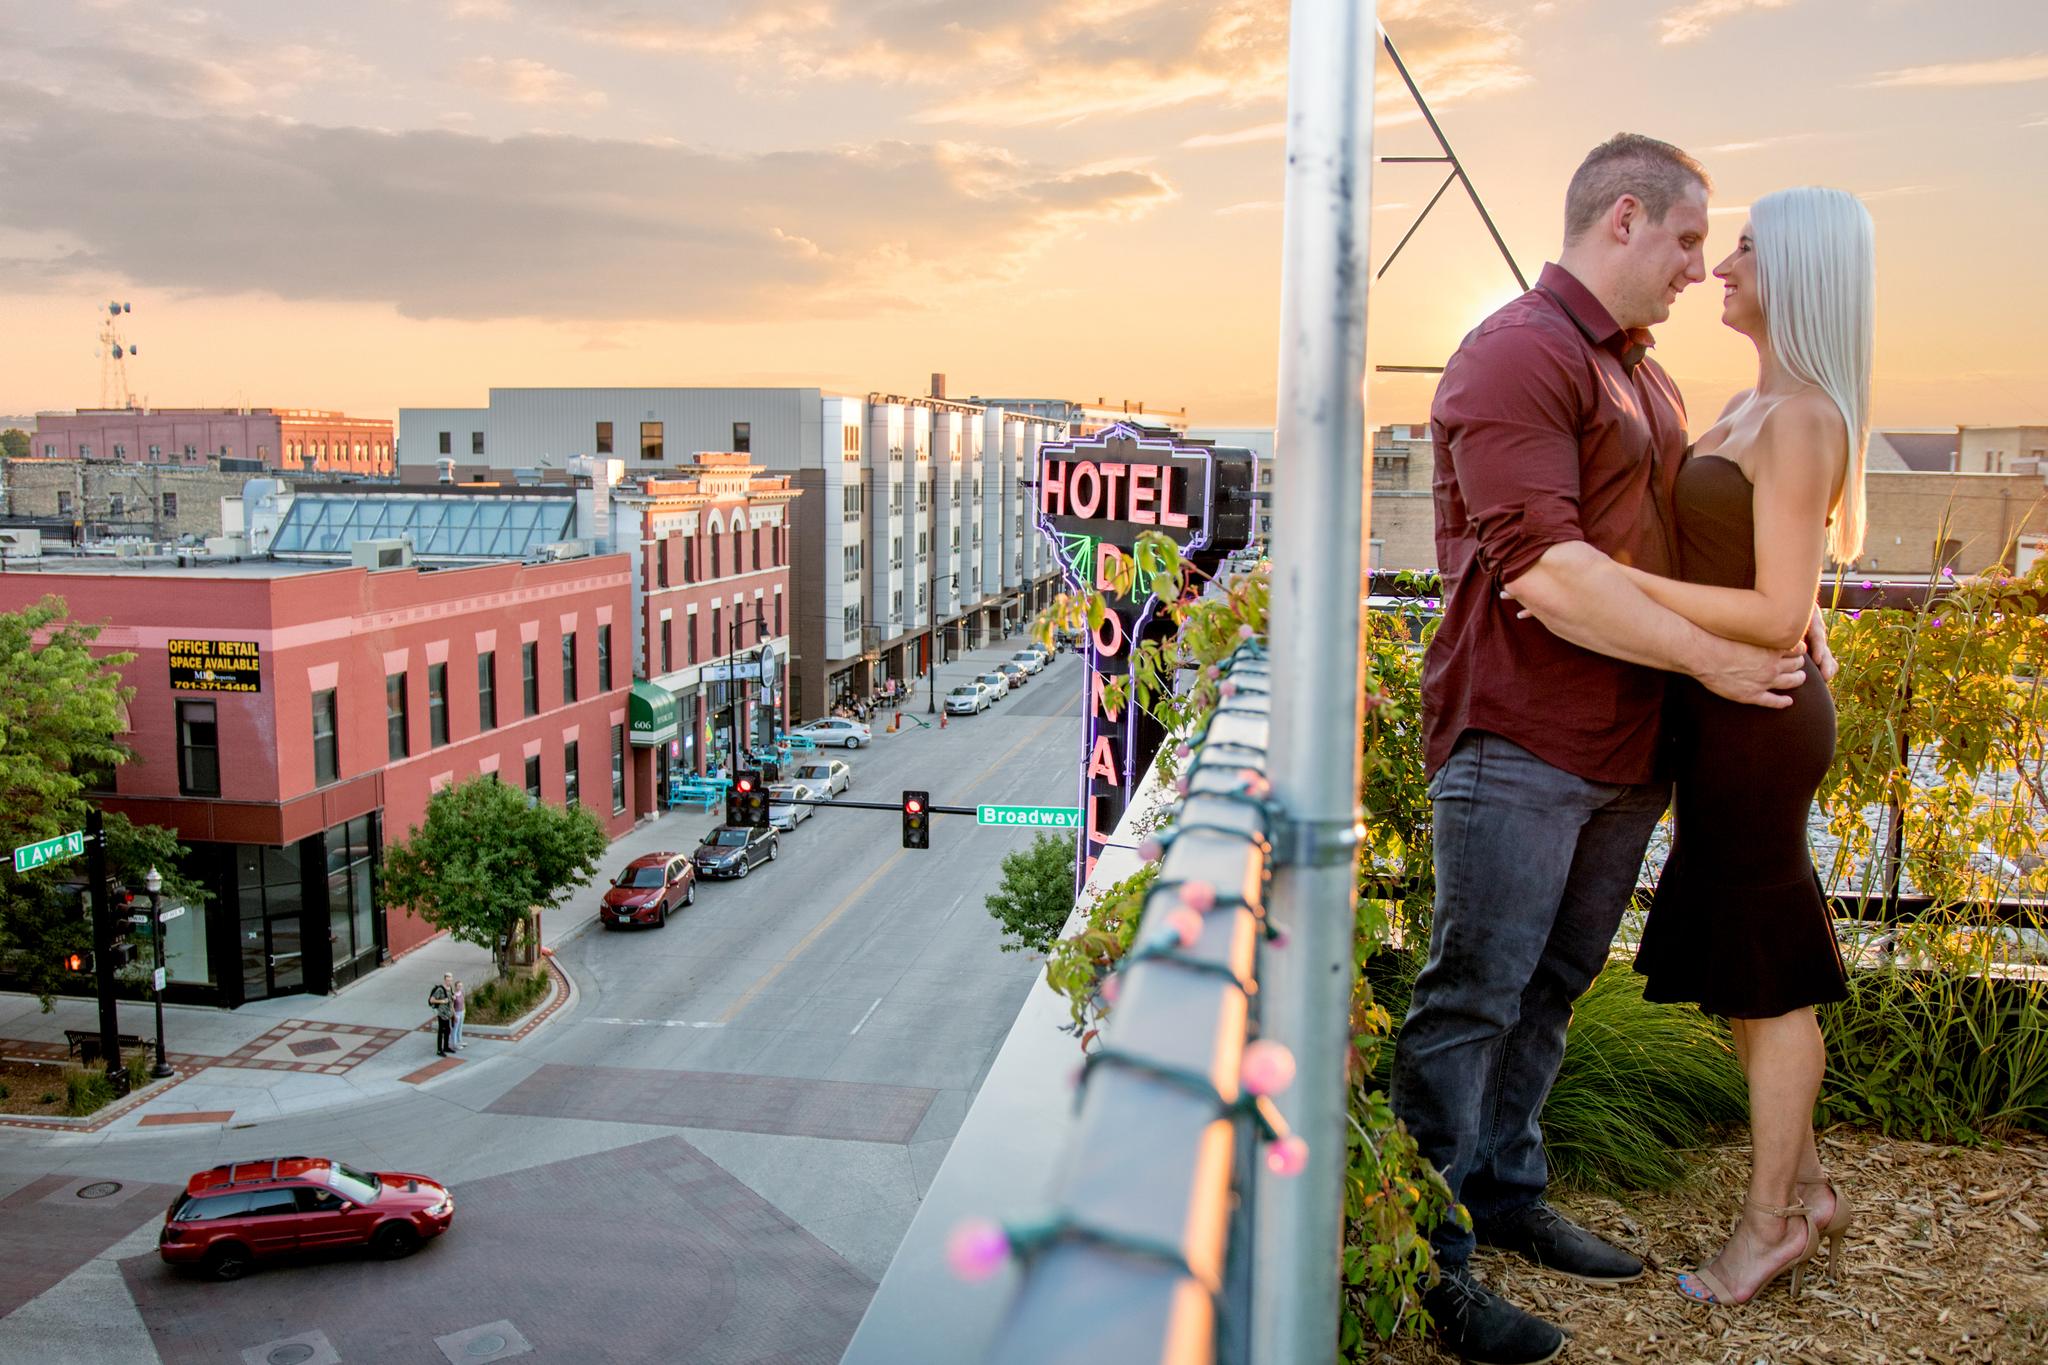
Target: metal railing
1145, 1239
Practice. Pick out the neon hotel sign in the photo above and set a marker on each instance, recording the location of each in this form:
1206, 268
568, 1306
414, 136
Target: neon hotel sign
1096, 496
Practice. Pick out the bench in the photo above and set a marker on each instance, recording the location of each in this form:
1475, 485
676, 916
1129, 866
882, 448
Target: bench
85, 1043
697, 791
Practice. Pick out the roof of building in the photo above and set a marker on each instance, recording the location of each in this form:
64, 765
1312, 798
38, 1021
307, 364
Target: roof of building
439, 526
1925, 452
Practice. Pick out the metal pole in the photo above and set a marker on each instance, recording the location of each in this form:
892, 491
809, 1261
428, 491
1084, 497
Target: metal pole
1321, 515
732, 689
156, 936
103, 948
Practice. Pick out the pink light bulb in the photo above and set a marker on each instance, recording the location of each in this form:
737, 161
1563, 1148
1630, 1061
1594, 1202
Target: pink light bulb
1255, 784
1183, 752
1288, 1157
1186, 925
1229, 689
1267, 1069
1151, 850
1180, 784
1198, 896
1245, 632
1112, 986
978, 1247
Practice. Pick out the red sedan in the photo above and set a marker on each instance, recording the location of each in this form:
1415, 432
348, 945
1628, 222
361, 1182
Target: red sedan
233, 1216
650, 887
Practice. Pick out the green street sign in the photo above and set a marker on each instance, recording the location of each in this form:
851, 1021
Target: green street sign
29, 857
1034, 817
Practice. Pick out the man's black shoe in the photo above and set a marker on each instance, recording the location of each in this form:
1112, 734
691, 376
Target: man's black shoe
1485, 1329
1555, 1242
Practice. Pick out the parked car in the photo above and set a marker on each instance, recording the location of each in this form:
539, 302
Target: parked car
735, 850
837, 732
647, 889
826, 776
1030, 660
998, 684
232, 1216
1014, 672
970, 699
1069, 639
782, 812
1045, 653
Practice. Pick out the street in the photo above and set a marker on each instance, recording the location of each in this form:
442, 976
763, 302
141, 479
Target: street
709, 1156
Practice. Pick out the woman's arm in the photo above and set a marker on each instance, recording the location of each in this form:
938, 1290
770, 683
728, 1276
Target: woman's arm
1799, 458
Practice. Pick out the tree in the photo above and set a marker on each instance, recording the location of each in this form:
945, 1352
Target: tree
14, 443
485, 859
61, 710
1037, 893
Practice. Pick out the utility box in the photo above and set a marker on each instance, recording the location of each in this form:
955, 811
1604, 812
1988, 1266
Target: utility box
381, 554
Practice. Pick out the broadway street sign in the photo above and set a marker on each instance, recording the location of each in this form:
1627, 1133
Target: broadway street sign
29, 857
1041, 817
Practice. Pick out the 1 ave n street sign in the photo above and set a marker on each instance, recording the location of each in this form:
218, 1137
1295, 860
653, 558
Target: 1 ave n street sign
1037, 817
29, 857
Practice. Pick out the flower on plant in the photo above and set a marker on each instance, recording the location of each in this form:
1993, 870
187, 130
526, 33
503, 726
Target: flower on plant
977, 1248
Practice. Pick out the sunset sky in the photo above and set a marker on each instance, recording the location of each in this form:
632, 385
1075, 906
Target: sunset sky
424, 198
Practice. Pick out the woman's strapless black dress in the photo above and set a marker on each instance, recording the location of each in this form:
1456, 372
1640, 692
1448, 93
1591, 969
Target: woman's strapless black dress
1738, 925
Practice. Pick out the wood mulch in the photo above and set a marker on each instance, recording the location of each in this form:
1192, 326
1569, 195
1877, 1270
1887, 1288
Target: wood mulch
27, 1082
1946, 1263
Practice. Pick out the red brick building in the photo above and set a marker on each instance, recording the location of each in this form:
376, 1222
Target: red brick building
289, 719
297, 440
711, 552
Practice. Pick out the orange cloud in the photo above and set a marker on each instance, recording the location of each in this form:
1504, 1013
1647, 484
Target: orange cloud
1967, 75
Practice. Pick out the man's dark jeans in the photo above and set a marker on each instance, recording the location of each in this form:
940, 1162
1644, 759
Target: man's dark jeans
441, 1026
1534, 868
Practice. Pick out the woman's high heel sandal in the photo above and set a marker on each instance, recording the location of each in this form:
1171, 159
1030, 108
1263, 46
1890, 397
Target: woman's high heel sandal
1704, 1286
1836, 1227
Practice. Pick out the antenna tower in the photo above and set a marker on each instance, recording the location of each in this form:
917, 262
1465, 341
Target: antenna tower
114, 353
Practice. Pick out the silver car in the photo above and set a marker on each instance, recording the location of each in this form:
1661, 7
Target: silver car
825, 776
968, 700
783, 813
998, 684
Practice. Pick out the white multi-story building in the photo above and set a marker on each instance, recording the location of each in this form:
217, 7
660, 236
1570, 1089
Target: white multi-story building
913, 533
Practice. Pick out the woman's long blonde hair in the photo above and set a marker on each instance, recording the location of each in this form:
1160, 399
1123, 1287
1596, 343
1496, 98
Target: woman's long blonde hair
1816, 276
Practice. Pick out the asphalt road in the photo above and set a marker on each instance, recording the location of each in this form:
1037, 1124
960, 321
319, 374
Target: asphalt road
710, 1159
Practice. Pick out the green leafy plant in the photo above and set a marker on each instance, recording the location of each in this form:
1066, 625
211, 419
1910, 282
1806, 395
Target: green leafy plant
1037, 893
485, 859
85, 1092
140, 1063
505, 998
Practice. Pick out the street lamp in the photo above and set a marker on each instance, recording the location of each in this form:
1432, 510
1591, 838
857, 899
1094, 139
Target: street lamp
931, 609
732, 681
153, 882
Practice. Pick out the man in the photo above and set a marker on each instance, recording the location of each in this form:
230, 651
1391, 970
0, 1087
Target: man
442, 1000
1558, 442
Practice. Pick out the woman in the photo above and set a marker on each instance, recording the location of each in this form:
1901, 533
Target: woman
1739, 925
461, 1003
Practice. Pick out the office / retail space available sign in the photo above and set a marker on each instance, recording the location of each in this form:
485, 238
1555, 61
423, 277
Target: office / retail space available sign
216, 666
1096, 497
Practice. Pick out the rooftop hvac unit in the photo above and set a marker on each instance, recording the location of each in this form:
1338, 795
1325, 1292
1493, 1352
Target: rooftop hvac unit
381, 554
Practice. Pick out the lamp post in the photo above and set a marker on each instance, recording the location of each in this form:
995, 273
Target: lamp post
153, 882
732, 682
931, 607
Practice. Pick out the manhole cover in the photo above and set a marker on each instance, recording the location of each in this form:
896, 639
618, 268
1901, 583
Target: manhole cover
297, 1353
488, 1345
99, 1189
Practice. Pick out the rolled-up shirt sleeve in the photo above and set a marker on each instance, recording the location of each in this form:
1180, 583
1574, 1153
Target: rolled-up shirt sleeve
1509, 407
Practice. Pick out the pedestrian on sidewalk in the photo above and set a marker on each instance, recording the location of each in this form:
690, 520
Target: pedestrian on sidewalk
459, 1001
442, 1000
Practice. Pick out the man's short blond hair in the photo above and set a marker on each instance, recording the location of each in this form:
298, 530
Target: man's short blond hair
1656, 173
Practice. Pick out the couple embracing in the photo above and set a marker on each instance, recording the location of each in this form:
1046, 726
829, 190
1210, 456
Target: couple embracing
1629, 619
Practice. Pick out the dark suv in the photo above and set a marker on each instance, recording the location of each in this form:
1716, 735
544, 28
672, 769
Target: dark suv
648, 888
230, 1217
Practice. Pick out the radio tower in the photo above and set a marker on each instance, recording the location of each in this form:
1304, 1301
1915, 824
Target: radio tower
114, 353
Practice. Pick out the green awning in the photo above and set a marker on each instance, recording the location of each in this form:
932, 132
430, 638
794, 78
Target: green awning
652, 714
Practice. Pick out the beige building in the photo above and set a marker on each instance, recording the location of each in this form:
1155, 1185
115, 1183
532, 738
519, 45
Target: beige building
2000, 450
1403, 506
103, 499
1920, 523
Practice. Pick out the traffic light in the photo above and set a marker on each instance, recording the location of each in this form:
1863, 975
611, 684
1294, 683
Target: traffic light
747, 802
77, 962
917, 820
122, 951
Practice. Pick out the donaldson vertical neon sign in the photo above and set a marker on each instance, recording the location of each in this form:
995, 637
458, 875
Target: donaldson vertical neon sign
1096, 496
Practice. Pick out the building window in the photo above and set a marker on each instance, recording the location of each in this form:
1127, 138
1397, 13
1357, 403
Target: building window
618, 769
191, 452
661, 548
326, 745
689, 559
714, 554
896, 553
604, 438
487, 690
668, 646
63, 503
650, 442
437, 704
778, 613
743, 437
397, 733
529, 680
117, 506
568, 668
533, 777
198, 749
572, 777
170, 506
691, 631
754, 548
476, 443
447, 443
717, 630
896, 605
84, 450
604, 658
851, 620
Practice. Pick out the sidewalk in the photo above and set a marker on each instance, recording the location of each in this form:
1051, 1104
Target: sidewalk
297, 1053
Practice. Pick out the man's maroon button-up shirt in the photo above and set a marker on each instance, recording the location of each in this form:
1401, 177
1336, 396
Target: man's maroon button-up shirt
1549, 425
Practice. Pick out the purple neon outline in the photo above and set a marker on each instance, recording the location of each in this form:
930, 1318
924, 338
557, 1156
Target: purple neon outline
1100, 441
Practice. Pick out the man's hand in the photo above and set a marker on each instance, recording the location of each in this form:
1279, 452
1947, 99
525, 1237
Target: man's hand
1817, 646
1747, 674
